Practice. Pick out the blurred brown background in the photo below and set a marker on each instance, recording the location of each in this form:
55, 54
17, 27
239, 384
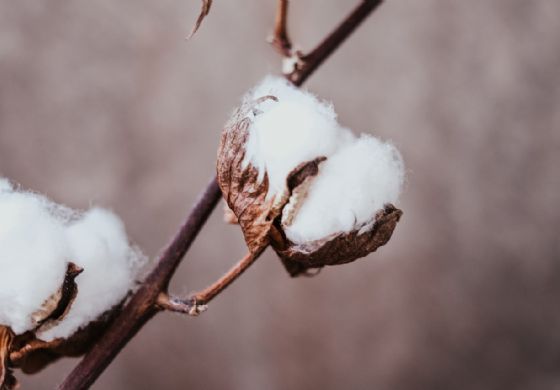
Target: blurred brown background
104, 102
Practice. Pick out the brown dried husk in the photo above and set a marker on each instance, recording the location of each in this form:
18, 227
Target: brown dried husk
29, 353
261, 218
245, 196
338, 248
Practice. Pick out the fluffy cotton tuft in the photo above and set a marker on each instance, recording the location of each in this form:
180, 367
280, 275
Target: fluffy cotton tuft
37, 241
295, 129
360, 175
353, 184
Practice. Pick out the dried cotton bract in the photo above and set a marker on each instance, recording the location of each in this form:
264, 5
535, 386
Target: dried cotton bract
59, 270
299, 181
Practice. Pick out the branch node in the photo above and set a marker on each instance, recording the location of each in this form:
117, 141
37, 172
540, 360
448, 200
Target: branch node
280, 40
191, 306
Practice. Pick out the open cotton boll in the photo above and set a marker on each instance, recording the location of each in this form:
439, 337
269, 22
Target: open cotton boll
99, 245
295, 128
38, 239
328, 198
352, 185
33, 258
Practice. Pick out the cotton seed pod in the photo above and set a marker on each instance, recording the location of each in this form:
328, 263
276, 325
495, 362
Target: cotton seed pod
264, 218
51, 307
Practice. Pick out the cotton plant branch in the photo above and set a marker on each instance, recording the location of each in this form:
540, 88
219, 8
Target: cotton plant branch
280, 40
198, 302
151, 296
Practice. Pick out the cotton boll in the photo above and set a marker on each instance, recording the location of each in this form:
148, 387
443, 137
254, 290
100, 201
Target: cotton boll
33, 257
352, 185
38, 239
99, 245
312, 212
294, 129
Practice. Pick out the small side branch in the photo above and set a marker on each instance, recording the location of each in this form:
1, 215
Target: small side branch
198, 302
308, 63
280, 40
210, 292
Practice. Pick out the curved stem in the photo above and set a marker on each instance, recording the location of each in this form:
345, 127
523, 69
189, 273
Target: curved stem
221, 284
197, 303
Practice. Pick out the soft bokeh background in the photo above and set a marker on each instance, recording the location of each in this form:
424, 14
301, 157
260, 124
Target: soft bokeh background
104, 102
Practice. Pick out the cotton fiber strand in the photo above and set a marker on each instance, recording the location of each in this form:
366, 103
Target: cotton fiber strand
360, 175
38, 239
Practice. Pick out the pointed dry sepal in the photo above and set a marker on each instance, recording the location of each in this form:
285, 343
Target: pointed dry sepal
31, 354
57, 306
204, 11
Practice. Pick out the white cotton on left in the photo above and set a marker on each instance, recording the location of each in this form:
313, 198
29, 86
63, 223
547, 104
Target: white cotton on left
38, 239
99, 245
33, 257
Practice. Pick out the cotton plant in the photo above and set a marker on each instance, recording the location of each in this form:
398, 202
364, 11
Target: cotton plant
61, 273
297, 180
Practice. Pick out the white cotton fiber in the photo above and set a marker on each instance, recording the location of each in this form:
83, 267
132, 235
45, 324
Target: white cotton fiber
99, 244
37, 241
358, 178
296, 128
33, 252
353, 184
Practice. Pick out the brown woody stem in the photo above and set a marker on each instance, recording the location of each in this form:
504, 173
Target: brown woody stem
315, 58
143, 304
280, 40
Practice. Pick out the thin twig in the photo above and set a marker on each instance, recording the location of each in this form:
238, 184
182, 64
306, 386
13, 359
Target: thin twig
310, 62
143, 304
198, 302
280, 40
210, 292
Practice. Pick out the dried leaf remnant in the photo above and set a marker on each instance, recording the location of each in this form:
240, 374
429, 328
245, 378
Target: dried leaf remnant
204, 11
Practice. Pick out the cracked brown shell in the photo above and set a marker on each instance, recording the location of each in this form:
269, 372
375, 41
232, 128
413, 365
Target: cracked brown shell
263, 220
29, 353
